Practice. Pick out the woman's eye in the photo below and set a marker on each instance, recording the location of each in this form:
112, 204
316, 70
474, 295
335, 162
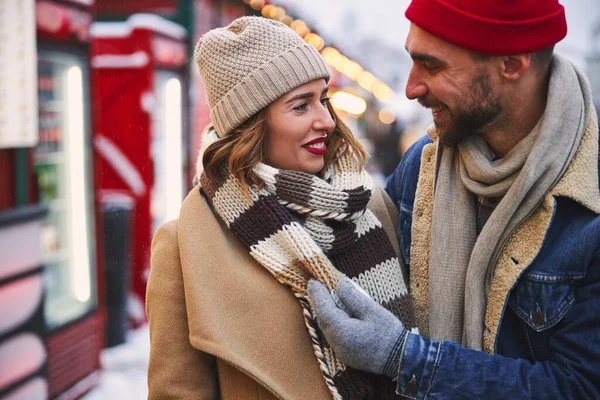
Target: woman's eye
301, 107
325, 100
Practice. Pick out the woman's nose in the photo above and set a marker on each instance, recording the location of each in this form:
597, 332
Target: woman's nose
324, 121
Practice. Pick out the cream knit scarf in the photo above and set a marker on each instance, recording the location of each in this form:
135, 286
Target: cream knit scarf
299, 227
460, 262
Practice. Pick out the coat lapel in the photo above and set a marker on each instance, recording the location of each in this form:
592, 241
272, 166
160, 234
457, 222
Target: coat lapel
421, 238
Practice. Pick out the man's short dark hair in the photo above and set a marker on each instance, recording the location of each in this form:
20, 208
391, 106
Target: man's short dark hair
540, 59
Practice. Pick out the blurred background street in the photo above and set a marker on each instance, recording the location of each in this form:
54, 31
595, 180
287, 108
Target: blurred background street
101, 115
124, 369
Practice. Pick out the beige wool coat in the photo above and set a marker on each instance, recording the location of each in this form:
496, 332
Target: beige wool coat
221, 326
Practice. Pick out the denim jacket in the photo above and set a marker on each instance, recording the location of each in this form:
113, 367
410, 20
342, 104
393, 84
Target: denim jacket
542, 333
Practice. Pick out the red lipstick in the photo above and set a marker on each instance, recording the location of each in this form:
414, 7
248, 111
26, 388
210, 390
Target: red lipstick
316, 146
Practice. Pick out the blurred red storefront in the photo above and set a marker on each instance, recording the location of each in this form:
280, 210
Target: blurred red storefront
139, 75
120, 7
64, 171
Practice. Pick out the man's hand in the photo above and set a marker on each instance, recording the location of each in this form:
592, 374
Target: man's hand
370, 338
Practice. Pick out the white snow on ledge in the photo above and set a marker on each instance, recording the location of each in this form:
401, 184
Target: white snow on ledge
124, 369
84, 2
144, 21
139, 59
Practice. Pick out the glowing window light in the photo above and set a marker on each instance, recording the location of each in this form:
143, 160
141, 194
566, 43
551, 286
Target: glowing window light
330, 52
304, 32
315, 40
273, 13
266, 11
366, 80
340, 63
383, 93
279, 13
332, 57
298, 24
349, 103
300, 27
354, 71
173, 148
386, 116
78, 230
351, 69
257, 4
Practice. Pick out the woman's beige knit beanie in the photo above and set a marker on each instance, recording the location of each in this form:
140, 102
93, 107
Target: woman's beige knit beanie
249, 64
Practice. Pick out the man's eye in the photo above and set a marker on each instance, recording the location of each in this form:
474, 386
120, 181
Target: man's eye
429, 66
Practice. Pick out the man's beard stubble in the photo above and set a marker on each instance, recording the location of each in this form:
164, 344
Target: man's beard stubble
482, 108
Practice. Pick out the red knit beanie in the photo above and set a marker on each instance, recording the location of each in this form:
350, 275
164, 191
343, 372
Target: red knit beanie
493, 27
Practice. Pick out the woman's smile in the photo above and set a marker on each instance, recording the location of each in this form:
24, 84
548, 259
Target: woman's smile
316, 146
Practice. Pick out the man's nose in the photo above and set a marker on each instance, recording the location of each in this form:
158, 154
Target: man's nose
415, 87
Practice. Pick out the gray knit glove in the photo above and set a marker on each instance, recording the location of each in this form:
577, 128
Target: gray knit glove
369, 338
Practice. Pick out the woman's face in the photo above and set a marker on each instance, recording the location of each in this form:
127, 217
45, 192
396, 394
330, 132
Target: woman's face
298, 124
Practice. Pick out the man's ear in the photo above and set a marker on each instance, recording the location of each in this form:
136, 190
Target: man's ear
514, 67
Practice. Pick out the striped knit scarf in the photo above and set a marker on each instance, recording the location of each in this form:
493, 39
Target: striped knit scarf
300, 226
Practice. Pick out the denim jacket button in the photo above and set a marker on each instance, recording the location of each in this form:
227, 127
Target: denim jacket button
538, 317
412, 388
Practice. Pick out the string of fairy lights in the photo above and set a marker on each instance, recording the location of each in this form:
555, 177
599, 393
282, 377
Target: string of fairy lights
350, 68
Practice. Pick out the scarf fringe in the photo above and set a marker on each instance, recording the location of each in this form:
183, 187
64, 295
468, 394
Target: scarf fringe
311, 324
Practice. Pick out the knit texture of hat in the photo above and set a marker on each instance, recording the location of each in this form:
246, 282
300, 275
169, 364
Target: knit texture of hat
493, 27
251, 63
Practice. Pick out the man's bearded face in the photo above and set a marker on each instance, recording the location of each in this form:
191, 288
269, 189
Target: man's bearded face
477, 108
